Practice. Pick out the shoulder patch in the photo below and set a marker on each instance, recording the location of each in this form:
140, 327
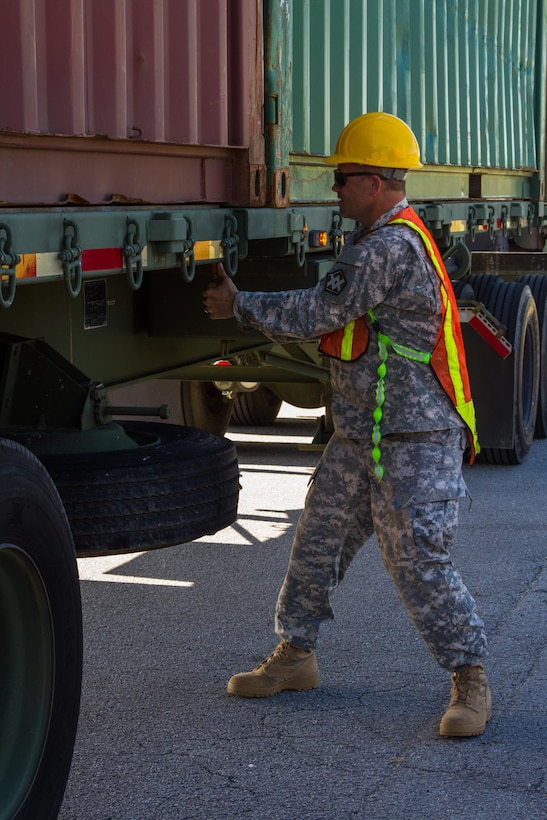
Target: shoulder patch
338, 281
335, 281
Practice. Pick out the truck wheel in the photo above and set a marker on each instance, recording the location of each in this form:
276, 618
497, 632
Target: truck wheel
203, 406
256, 409
514, 307
40, 639
463, 290
538, 286
176, 485
485, 286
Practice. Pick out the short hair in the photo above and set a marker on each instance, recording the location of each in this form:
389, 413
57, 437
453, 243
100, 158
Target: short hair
394, 178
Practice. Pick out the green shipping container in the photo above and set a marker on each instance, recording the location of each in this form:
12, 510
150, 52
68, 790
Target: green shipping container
469, 78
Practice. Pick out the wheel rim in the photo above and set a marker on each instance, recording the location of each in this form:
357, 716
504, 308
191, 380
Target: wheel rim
26, 684
528, 384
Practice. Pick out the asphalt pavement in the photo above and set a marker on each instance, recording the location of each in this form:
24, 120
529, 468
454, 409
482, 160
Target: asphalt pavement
159, 738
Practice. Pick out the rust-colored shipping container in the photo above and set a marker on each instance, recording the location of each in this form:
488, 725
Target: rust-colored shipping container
132, 100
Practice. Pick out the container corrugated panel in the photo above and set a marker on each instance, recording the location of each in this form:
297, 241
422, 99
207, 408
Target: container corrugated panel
177, 72
163, 70
461, 73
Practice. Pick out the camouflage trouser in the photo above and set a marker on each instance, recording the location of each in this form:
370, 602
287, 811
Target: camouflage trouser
414, 512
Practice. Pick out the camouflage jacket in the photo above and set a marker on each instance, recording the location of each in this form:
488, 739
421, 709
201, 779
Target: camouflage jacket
389, 272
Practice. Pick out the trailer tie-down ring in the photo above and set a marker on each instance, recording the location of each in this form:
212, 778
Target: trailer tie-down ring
8, 263
531, 218
336, 234
186, 256
229, 244
132, 253
71, 258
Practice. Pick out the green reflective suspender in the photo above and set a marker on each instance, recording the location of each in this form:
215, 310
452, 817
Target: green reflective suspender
380, 396
384, 343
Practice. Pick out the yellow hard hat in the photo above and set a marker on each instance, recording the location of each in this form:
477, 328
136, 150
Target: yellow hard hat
378, 139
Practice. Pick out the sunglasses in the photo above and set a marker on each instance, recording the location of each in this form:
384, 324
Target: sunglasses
340, 177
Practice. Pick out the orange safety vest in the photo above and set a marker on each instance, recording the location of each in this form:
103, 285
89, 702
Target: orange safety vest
448, 355
348, 343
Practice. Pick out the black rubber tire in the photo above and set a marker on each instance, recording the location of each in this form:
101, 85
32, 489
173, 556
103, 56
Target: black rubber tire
257, 409
177, 485
483, 284
514, 306
40, 639
538, 285
204, 407
463, 290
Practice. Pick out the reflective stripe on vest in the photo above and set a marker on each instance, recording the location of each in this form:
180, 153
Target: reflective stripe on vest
348, 343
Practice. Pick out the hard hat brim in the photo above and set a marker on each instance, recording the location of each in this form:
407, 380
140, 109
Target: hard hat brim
378, 139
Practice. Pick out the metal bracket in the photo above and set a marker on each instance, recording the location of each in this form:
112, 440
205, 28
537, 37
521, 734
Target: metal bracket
298, 230
8, 263
504, 220
423, 216
336, 233
486, 325
479, 219
229, 244
472, 224
103, 411
491, 222
531, 218
71, 258
132, 253
186, 256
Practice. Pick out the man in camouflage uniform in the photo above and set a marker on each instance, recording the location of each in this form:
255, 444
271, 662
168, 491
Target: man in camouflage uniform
412, 503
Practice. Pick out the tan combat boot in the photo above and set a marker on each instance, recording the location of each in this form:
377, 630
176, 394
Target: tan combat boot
287, 668
470, 705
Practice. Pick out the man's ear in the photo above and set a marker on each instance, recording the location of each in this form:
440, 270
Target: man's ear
376, 185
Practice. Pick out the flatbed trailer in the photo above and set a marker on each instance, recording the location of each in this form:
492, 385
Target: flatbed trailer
139, 143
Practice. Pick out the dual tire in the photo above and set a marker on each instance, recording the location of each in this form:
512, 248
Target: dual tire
538, 286
514, 305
